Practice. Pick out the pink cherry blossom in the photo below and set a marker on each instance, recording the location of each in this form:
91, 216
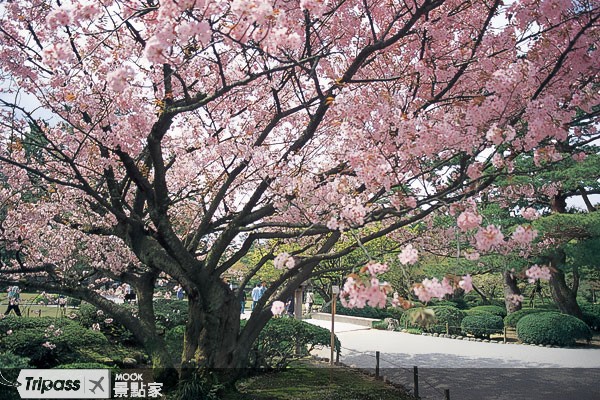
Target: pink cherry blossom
468, 220
284, 260
530, 214
524, 234
466, 283
409, 255
488, 238
278, 307
536, 272
515, 299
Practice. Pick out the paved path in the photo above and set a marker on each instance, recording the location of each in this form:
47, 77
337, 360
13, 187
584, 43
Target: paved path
472, 370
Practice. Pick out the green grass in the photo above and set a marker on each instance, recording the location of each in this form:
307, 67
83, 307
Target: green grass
30, 310
310, 380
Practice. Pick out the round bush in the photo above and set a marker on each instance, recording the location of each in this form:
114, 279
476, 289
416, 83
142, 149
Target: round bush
552, 328
413, 318
495, 310
447, 315
278, 341
481, 324
591, 315
512, 319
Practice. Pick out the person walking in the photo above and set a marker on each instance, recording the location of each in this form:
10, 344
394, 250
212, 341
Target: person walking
256, 295
242, 301
14, 298
310, 299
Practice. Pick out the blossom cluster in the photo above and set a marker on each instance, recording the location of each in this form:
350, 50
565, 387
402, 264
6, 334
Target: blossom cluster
277, 308
364, 289
535, 272
284, 260
409, 255
433, 288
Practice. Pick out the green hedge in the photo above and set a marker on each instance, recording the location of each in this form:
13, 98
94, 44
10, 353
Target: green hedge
365, 312
481, 324
88, 315
442, 315
496, 310
170, 313
278, 341
69, 342
552, 328
459, 303
512, 319
591, 315
174, 340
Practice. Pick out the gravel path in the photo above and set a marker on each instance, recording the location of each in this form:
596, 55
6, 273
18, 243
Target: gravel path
472, 370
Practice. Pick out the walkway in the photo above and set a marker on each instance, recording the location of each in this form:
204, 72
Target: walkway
472, 370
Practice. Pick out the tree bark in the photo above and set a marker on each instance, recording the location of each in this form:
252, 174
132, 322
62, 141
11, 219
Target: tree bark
510, 288
162, 363
565, 297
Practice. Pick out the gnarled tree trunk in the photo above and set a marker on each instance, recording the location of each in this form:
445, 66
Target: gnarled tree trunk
509, 282
564, 296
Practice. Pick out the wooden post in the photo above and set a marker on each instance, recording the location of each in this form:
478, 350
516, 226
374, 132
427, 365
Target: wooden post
298, 304
447, 329
416, 381
334, 292
376, 365
504, 334
447, 394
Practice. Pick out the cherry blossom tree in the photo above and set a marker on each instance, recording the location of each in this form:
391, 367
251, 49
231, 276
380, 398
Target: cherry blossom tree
169, 138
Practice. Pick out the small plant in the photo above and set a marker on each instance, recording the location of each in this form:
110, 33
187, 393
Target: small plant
381, 325
481, 324
552, 328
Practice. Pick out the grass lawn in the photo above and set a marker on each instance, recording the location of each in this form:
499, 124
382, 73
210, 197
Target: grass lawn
30, 308
312, 380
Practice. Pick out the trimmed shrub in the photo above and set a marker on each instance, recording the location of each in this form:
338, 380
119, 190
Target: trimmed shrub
87, 315
481, 324
365, 312
512, 319
48, 342
410, 320
174, 339
170, 313
552, 328
591, 315
418, 318
277, 343
459, 303
496, 310
446, 315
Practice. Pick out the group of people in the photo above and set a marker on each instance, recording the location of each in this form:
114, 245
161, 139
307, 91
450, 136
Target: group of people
259, 290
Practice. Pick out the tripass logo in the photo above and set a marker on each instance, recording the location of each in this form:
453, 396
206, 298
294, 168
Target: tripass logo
64, 384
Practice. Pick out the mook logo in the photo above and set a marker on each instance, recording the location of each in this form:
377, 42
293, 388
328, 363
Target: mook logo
64, 384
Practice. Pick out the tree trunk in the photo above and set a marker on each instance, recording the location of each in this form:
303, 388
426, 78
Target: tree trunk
565, 297
510, 288
162, 363
212, 333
